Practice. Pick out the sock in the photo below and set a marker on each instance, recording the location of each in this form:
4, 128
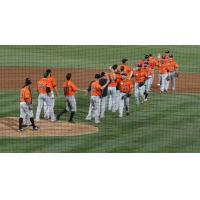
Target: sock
71, 116
61, 113
32, 122
20, 122
146, 95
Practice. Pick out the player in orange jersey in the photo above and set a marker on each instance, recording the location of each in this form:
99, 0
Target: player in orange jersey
112, 89
95, 101
172, 72
163, 71
126, 68
26, 109
140, 76
44, 95
69, 90
53, 86
125, 88
148, 83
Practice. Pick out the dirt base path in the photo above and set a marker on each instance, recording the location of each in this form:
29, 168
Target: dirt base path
13, 78
8, 128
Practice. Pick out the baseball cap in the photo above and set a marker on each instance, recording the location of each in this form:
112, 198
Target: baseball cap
167, 51
97, 76
114, 66
28, 81
124, 60
146, 56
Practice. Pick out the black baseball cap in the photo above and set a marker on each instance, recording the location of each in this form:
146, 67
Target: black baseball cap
124, 60
28, 81
167, 51
97, 76
146, 56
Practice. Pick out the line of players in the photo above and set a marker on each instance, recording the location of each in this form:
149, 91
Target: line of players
110, 90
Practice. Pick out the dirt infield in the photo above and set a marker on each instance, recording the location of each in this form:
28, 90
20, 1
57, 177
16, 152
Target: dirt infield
13, 78
8, 128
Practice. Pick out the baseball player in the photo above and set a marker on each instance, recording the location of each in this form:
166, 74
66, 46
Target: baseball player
125, 88
95, 102
26, 109
102, 82
69, 90
112, 90
172, 73
148, 83
140, 76
53, 86
44, 91
162, 70
126, 68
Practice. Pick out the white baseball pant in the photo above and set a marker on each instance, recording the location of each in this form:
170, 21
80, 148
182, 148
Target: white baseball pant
103, 106
163, 81
124, 103
46, 108
139, 93
94, 109
41, 99
112, 98
70, 103
172, 79
25, 111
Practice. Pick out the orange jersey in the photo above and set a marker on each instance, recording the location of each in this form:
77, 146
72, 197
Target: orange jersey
127, 69
71, 88
95, 89
113, 82
52, 82
125, 86
152, 62
42, 85
140, 76
162, 68
148, 70
25, 95
172, 66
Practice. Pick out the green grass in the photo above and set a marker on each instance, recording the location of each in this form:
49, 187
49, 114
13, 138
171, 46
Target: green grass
92, 56
167, 123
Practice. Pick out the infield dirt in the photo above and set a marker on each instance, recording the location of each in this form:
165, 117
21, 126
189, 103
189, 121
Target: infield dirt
13, 78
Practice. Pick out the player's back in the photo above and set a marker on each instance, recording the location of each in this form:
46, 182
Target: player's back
42, 84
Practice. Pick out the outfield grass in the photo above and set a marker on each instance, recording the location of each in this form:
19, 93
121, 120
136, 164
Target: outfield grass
167, 123
92, 56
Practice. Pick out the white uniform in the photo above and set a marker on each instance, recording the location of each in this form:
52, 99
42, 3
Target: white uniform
164, 82
112, 97
47, 99
94, 109
139, 93
70, 103
46, 108
124, 103
172, 79
25, 111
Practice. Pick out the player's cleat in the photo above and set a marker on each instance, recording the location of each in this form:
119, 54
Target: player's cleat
127, 113
20, 130
36, 128
146, 100
165, 91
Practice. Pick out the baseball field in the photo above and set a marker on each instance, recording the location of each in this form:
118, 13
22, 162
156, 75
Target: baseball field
166, 123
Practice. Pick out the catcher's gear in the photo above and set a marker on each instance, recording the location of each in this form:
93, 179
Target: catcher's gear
48, 90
